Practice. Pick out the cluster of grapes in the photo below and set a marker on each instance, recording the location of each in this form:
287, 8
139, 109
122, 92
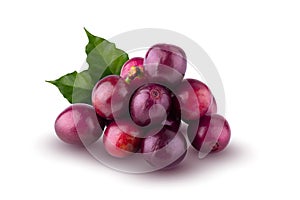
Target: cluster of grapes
141, 111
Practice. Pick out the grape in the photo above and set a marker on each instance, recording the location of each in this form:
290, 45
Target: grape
150, 104
173, 120
165, 63
195, 99
164, 148
121, 139
79, 124
108, 88
142, 109
213, 108
210, 134
132, 69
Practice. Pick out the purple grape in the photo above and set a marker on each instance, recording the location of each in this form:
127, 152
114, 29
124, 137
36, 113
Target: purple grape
195, 99
121, 139
108, 88
164, 148
133, 69
150, 104
213, 108
210, 134
165, 63
79, 124
173, 120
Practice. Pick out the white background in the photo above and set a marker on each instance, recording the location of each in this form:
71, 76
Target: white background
255, 46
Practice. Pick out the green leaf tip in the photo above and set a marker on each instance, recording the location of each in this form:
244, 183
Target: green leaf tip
103, 58
89, 35
49, 81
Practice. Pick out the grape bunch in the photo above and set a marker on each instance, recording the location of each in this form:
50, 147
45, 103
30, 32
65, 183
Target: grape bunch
142, 110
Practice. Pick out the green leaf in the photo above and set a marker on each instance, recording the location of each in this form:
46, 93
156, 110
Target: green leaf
75, 87
103, 58
93, 41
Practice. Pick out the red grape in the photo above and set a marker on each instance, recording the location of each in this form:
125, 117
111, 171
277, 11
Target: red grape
150, 104
195, 99
121, 139
166, 63
79, 124
210, 134
213, 108
132, 69
173, 120
164, 148
108, 88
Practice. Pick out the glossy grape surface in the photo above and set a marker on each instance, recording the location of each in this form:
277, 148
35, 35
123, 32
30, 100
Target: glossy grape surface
165, 63
164, 148
150, 104
108, 88
213, 108
121, 139
210, 134
79, 124
195, 98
